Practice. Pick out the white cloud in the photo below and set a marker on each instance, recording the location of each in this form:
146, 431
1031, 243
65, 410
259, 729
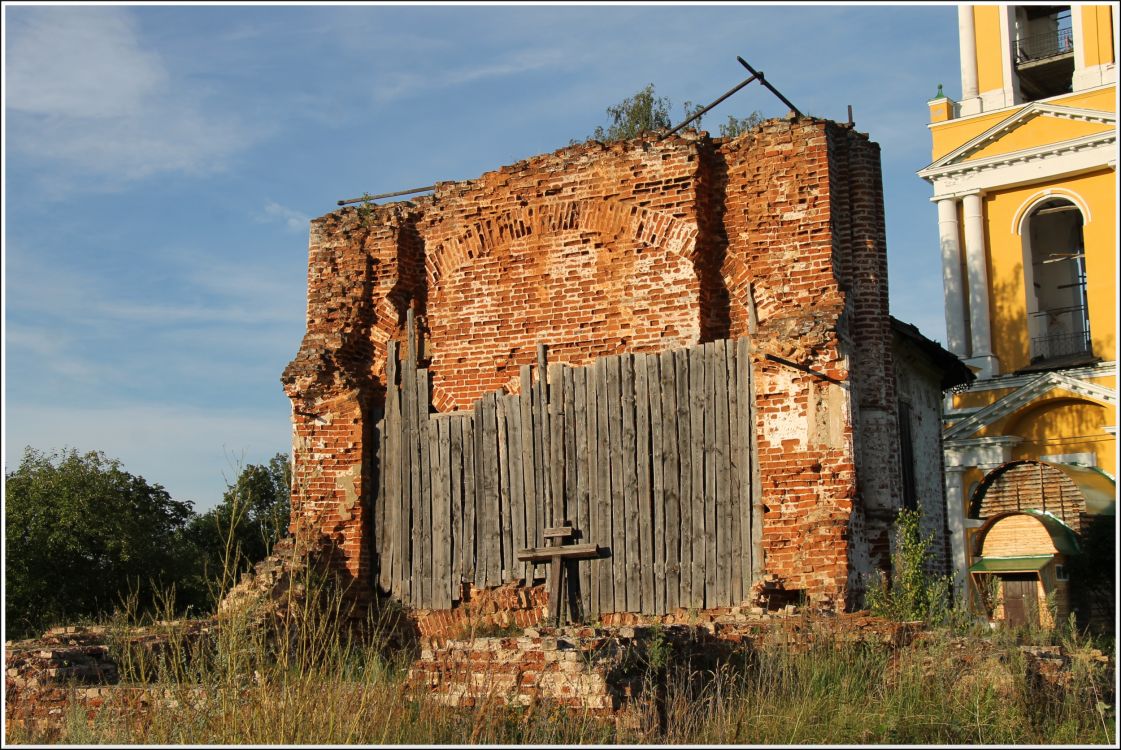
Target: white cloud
294, 220
402, 83
85, 92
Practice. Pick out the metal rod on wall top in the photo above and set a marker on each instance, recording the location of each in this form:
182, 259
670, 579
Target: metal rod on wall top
763, 80
706, 109
386, 195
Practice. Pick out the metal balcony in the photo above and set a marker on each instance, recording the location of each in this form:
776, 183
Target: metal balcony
1039, 47
1067, 333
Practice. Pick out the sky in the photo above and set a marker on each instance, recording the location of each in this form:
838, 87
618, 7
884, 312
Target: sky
161, 165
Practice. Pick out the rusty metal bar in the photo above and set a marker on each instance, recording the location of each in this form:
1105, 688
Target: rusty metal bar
706, 109
365, 198
763, 81
803, 368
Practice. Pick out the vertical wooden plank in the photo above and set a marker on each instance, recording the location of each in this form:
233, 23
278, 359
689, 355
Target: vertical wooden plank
685, 476
570, 501
658, 482
492, 511
424, 496
743, 368
556, 442
433, 540
541, 438
529, 491
630, 482
580, 423
392, 469
710, 498
723, 489
736, 505
605, 527
478, 507
470, 493
505, 517
456, 457
595, 533
645, 510
618, 515
697, 449
517, 499
756, 534
445, 541
411, 484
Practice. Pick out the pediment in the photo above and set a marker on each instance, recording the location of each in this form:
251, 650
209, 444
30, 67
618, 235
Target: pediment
1036, 128
1048, 383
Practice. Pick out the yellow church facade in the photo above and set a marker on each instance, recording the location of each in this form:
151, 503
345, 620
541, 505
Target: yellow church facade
1024, 178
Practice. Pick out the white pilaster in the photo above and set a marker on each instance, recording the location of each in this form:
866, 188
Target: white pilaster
970, 102
978, 276
952, 289
1008, 53
955, 523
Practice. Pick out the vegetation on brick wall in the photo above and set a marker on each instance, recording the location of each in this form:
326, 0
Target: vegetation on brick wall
645, 112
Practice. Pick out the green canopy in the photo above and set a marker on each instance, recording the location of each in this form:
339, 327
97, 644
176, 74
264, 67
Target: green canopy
1028, 564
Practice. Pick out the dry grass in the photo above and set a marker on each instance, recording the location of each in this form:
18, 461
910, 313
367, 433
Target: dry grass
244, 684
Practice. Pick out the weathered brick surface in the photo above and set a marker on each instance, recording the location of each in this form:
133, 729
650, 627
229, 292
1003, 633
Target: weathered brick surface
635, 246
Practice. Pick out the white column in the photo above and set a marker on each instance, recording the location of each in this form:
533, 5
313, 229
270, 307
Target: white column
976, 268
1008, 43
968, 44
952, 289
955, 523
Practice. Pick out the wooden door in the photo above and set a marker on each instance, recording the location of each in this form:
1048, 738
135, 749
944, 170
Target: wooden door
1020, 599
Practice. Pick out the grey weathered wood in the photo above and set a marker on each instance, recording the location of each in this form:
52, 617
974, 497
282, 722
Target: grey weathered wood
380, 542
603, 509
595, 497
541, 437
470, 495
392, 469
456, 457
710, 473
697, 385
723, 481
583, 505
442, 533
556, 442
412, 486
529, 491
478, 511
670, 481
424, 496
630, 483
491, 488
570, 501
756, 548
735, 480
685, 477
517, 498
645, 510
577, 551
616, 508
660, 460
505, 516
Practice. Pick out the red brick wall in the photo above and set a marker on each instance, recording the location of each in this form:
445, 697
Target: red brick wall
634, 246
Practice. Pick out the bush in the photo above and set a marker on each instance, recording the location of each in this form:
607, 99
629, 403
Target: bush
911, 593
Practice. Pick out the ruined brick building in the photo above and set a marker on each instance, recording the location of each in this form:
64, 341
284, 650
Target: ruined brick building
630, 248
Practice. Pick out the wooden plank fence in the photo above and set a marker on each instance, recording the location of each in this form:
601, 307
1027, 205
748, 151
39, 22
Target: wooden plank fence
650, 456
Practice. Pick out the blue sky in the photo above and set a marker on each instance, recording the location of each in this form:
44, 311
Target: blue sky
162, 163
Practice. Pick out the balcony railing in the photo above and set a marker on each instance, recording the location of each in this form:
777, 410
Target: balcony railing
1044, 46
1064, 331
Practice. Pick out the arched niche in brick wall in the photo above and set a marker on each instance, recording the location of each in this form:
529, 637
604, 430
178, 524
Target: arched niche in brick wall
588, 277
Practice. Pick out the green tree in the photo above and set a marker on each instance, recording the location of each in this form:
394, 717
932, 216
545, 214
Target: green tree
242, 529
81, 534
646, 112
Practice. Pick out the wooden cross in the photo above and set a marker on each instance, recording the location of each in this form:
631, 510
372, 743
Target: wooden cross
556, 553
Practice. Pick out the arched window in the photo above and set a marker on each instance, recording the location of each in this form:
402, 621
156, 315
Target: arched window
1055, 276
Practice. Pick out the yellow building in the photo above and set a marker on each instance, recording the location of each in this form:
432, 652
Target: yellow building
1024, 173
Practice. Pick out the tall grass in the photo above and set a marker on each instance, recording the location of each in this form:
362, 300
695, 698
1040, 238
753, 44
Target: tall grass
245, 683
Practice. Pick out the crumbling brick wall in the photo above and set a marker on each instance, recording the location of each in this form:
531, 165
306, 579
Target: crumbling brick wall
639, 246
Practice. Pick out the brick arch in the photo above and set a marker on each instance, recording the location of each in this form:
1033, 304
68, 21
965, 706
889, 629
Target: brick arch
483, 235
588, 277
